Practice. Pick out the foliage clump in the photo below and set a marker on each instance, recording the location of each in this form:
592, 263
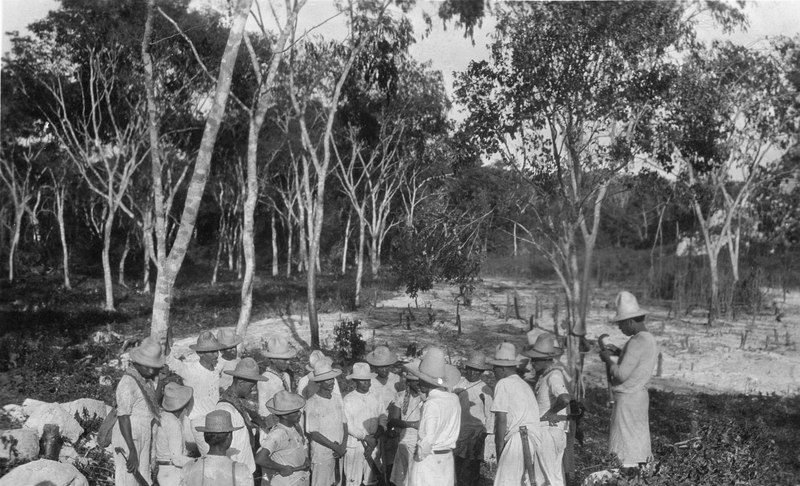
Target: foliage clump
348, 345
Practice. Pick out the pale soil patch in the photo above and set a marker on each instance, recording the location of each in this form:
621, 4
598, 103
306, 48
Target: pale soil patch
695, 358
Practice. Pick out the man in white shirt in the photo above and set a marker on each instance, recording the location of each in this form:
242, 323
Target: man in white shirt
385, 386
234, 401
170, 447
277, 353
202, 374
439, 423
515, 407
366, 421
215, 468
326, 427
477, 420
306, 387
404, 414
228, 358
553, 399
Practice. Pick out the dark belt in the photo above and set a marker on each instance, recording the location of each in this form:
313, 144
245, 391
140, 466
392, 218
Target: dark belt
445, 451
164, 463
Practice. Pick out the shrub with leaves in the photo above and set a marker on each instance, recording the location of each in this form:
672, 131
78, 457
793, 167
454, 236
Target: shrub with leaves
348, 345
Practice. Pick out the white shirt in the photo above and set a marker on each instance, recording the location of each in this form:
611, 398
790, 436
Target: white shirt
548, 388
385, 393
361, 410
411, 413
240, 450
204, 383
215, 470
305, 382
439, 424
169, 440
515, 397
267, 389
476, 405
326, 416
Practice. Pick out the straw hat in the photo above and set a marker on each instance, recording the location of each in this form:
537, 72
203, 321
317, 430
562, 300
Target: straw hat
246, 369
218, 421
278, 347
505, 354
175, 396
285, 402
382, 356
361, 371
313, 358
627, 307
323, 370
206, 342
228, 338
477, 361
545, 347
433, 369
148, 353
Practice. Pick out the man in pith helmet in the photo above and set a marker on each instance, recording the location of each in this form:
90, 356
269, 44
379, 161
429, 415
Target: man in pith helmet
629, 436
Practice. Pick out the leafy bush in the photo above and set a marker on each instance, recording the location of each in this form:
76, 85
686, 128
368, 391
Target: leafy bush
348, 345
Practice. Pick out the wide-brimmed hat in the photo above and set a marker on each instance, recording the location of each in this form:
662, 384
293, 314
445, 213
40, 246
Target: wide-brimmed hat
323, 370
477, 361
218, 421
505, 354
382, 356
361, 371
278, 347
175, 396
228, 338
627, 307
206, 342
148, 353
433, 369
246, 369
545, 347
285, 402
313, 358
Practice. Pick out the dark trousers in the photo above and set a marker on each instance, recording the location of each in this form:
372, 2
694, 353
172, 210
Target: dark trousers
468, 471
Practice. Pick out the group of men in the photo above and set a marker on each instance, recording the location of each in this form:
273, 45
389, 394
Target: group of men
421, 423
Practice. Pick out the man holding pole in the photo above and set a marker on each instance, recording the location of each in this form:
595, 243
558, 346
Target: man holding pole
629, 436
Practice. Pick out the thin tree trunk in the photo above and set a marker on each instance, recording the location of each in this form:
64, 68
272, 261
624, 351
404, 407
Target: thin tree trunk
515, 240
346, 241
62, 233
302, 248
147, 250
14, 243
713, 308
217, 260
374, 259
274, 244
166, 276
289, 247
360, 260
106, 257
123, 258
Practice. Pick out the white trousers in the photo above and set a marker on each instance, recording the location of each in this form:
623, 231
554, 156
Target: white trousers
356, 468
433, 470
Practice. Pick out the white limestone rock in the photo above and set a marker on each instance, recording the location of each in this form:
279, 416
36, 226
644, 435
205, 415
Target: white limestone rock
54, 413
93, 407
19, 444
44, 471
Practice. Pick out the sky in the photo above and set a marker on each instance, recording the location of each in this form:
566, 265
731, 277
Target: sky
446, 49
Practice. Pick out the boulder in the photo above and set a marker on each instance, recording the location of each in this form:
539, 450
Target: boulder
29, 405
93, 407
44, 472
68, 454
15, 412
19, 444
53, 413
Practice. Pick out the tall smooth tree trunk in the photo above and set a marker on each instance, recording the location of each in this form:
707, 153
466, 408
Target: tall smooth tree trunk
62, 233
147, 254
713, 307
162, 297
346, 241
106, 257
289, 247
275, 268
122, 259
360, 260
14, 243
302, 248
374, 257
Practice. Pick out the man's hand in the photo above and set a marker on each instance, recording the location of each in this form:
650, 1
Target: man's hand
133, 462
605, 356
614, 350
371, 441
550, 418
383, 421
339, 450
286, 471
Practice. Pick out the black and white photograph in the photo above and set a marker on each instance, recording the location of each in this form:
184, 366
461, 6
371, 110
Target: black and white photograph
400, 243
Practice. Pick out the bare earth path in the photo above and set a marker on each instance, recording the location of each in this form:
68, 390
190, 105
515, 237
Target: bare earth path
695, 358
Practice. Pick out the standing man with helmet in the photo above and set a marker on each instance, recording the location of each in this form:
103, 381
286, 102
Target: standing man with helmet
477, 421
385, 386
439, 423
277, 353
629, 436
227, 355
